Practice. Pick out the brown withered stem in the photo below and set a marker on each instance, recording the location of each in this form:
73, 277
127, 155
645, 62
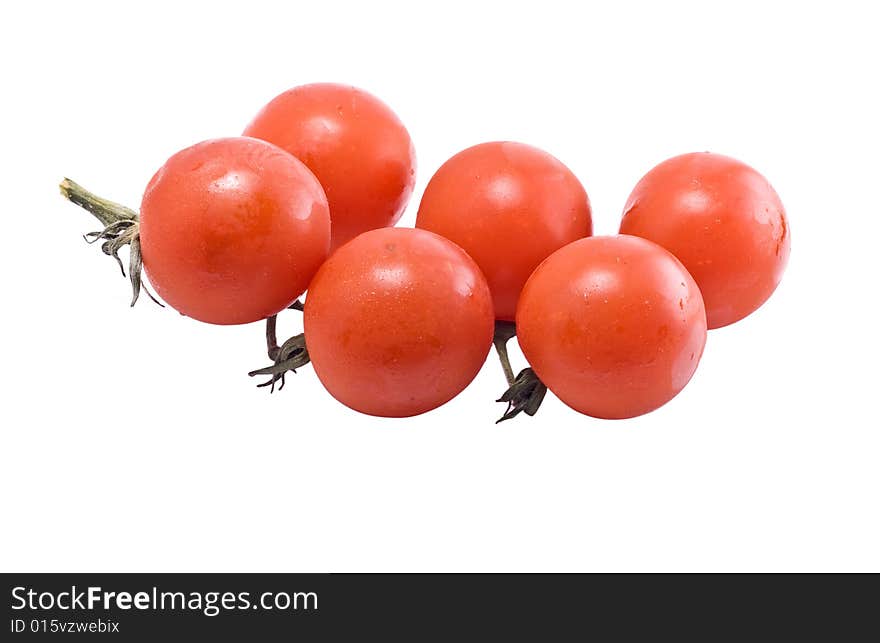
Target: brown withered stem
121, 228
290, 356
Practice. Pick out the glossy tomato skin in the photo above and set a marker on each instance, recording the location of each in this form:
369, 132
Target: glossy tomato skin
510, 206
232, 230
398, 322
356, 146
614, 326
725, 223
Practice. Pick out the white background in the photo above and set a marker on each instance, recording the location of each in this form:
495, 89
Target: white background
133, 440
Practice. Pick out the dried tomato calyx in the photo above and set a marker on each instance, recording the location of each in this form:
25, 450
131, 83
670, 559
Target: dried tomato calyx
524, 395
121, 228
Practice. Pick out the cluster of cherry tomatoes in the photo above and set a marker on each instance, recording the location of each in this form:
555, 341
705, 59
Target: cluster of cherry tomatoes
398, 321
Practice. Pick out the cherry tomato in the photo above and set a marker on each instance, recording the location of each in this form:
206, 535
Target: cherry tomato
614, 326
510, 206
397, 322
232, 230
355, 145
724, 222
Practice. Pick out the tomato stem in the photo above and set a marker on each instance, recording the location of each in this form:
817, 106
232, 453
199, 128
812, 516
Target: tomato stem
526, 391
121, 228
272, 346
106, 211
504, 332
290, 356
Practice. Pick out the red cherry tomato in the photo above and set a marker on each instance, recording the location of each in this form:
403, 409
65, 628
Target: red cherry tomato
510, 206
724, 222
355, 145
398, 322
614, 326
232, 230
